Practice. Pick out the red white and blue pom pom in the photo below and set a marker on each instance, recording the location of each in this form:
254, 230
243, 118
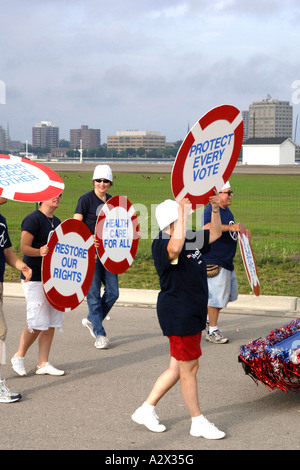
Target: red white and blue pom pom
275, 359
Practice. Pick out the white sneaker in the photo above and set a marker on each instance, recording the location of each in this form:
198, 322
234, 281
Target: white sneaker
203, 428
87, 324
18, 365
216, 337
102, 342
148, 419
6, 396
48, 369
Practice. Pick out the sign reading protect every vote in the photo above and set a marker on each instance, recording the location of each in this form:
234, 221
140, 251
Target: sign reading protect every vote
208, 155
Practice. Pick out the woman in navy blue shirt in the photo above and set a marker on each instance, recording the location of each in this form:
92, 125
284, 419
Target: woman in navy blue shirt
181, 309
88, 208
42, 318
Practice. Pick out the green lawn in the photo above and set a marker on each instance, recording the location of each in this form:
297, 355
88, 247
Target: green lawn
267, 205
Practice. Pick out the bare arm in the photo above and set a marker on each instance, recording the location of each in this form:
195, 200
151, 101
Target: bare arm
177, 239
215, 226
15, 262
27, 248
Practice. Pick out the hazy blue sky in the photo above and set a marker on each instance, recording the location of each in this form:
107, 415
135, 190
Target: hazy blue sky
143, 64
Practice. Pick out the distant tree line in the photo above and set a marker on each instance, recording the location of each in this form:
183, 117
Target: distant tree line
103, 152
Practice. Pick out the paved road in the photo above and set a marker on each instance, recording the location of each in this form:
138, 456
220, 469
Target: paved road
90, 407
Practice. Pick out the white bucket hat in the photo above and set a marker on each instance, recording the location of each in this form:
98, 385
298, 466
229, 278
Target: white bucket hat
103, 171
166, 213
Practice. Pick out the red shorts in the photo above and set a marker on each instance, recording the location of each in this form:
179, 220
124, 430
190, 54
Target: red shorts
185, 348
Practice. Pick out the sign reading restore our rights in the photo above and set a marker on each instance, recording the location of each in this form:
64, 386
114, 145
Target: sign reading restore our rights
208, 155
68, 268
24, 180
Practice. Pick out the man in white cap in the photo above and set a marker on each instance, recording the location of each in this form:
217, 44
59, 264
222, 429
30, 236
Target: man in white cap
88, 208
181, 310
222, 282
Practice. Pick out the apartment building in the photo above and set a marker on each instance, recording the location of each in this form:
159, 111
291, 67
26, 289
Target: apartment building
270, 118
45, 134
149, 140
90, 138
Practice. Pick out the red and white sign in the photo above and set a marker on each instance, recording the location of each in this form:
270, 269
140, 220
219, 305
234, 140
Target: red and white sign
248, 260
117, 233
68, 268
208, 155
24, 180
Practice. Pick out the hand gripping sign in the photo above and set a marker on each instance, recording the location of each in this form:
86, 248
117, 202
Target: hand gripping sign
208, 155
117, 234
68, 268
24, 180
248, 260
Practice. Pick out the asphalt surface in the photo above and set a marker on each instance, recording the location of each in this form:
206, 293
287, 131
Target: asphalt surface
90, 407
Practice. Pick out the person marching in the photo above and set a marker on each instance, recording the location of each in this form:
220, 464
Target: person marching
87, 210
42, 318
181, 310
222, 282
7, 256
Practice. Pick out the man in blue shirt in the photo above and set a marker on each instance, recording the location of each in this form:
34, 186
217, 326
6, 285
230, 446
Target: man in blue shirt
222, 286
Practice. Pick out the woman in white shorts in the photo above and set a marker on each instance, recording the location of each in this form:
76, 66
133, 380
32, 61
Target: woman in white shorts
42, 318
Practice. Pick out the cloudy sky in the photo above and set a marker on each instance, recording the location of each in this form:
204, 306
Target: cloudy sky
143, 64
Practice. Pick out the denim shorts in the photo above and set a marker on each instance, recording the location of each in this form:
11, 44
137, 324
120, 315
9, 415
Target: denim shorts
222, 288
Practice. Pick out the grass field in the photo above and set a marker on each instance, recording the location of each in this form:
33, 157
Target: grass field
267, 205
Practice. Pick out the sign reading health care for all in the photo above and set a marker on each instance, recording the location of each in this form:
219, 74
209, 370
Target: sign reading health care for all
24, 180
248, 260
117, 234
68, 268
208, 155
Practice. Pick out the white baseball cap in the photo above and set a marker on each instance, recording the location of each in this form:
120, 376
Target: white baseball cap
103, 171
166, 213
226, 185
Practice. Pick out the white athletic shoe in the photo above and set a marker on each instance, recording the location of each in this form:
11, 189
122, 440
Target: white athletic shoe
87, 324
148, 419
102, 342
6, 396
48, 369
203, 428
18, 365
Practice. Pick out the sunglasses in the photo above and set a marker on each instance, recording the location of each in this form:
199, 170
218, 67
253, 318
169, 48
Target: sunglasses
229, 192
102, 181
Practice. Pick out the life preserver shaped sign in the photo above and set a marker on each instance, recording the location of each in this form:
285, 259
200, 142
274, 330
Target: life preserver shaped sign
68, 268
24, 180
208, 155
117, 234
248, 260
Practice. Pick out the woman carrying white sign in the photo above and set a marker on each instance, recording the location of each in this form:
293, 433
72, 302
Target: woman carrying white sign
42, 318
87, 210
181, 310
